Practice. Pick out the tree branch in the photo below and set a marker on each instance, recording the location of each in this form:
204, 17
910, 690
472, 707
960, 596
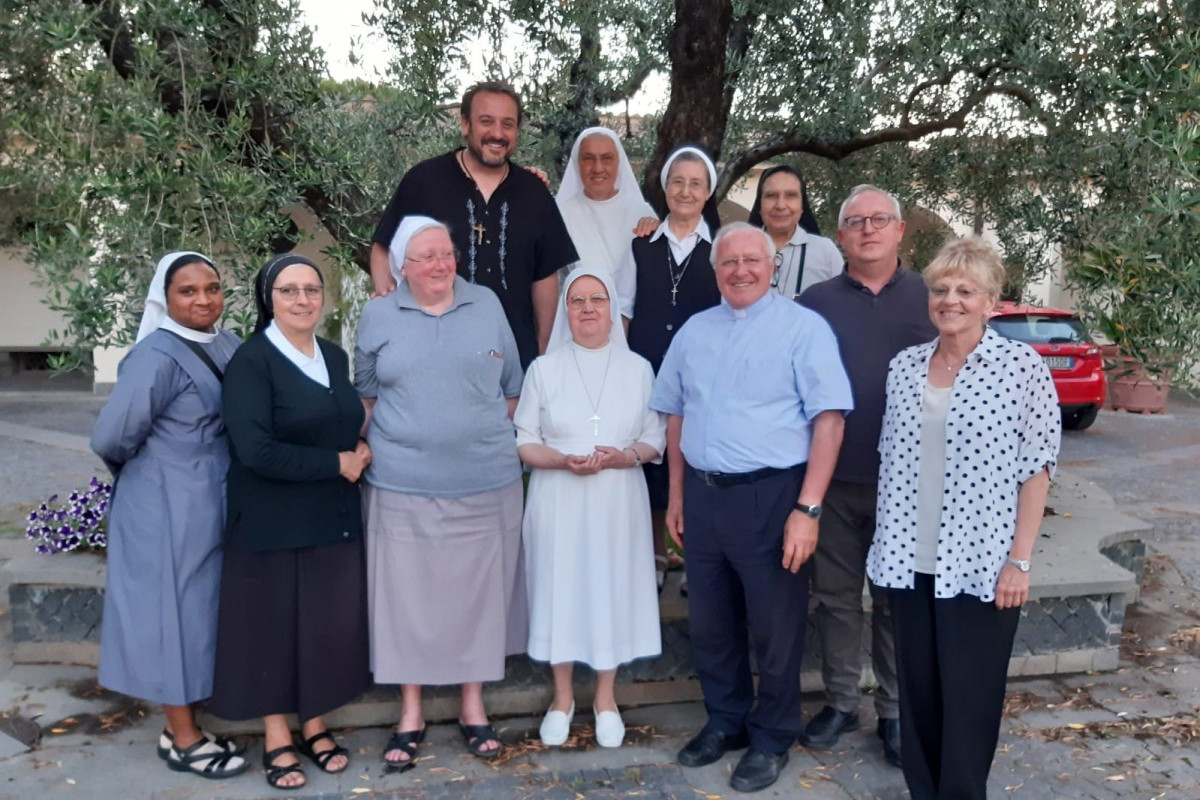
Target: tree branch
791, 141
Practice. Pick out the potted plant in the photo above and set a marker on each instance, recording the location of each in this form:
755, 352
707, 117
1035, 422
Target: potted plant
1134, 267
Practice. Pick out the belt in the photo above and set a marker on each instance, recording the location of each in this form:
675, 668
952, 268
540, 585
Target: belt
726, 479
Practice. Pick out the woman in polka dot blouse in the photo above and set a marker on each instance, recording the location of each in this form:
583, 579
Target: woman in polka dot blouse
969, 444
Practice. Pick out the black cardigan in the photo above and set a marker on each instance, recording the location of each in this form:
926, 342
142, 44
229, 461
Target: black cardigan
284, 487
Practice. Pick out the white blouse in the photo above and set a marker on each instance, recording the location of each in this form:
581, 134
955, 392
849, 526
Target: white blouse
1003, 427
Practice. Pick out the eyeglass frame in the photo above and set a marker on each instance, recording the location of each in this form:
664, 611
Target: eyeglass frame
857, 223
579, 302
291, 293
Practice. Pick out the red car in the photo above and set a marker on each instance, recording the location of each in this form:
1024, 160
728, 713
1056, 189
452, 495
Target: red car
1074, 361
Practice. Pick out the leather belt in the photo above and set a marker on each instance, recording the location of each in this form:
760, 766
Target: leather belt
726, 479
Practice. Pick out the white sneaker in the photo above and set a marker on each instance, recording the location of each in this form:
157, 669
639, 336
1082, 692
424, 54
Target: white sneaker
610, 728
556, 726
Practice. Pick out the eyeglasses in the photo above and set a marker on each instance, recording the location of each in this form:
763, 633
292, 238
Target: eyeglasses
778, 267
961, 292
577, 302
878, 222
292, 292
430, 258
679, 184
750, 261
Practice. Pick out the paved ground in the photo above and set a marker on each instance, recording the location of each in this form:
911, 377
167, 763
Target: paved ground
1125, 734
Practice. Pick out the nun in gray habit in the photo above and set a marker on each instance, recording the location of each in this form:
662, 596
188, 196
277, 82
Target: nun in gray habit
161, 435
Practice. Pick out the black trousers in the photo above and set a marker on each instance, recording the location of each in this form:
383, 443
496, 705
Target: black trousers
740, 593
952, 659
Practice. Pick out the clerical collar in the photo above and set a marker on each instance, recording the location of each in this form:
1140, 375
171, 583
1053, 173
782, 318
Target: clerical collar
752, 310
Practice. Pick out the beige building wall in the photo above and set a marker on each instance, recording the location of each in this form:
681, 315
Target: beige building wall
25, 321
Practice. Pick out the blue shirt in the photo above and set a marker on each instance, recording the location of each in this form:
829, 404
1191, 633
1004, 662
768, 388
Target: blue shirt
749, 382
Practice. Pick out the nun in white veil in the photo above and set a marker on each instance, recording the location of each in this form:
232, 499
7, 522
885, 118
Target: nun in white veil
161, 434
602, 205
585, 426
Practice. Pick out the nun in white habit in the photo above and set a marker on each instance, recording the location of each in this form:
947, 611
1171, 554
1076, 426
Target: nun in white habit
585, 426
161, 435
602, 205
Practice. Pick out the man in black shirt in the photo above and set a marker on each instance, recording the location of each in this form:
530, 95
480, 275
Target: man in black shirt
876, 308
504, 223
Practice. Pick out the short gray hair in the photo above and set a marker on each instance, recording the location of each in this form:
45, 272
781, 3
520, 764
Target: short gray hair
975, 259
863, 188
730, 228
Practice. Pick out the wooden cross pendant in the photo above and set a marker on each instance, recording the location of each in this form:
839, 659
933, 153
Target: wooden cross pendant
595, 420
478, 229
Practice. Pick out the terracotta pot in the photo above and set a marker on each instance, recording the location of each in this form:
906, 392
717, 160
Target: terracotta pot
1130, 387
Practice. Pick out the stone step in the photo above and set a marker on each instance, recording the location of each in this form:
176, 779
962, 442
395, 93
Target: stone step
1087, 567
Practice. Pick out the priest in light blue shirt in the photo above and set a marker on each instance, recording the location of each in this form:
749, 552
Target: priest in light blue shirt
756, 396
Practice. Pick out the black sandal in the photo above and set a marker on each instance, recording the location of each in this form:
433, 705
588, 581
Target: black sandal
276, 772
405, 741
217, 768
323, 757
476, 735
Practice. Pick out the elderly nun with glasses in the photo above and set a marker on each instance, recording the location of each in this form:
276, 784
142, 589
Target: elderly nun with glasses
292, 637
673, 281
585, 426
437, 368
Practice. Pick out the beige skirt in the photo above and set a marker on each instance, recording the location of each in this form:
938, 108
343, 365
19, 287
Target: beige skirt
445, 585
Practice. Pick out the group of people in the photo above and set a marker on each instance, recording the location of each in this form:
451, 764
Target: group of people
283, 532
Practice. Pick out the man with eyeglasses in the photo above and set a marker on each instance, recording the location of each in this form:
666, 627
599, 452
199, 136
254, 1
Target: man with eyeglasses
508, 232
876, 308
755, 395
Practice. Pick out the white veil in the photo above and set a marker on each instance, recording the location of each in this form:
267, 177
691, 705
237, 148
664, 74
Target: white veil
560, 334
154, 313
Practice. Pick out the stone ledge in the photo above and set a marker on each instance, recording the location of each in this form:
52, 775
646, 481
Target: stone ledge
1074, 551
1087, 567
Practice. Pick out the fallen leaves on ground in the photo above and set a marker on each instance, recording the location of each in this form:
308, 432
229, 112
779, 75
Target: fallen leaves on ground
1180, 729
582, 737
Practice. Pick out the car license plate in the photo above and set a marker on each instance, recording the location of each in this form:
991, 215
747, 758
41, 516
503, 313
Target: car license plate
1060, 362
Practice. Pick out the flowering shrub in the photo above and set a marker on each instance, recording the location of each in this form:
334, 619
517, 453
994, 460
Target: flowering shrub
78, 523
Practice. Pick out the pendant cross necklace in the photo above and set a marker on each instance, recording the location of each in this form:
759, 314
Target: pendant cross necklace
478, 229
595, 417
675, 279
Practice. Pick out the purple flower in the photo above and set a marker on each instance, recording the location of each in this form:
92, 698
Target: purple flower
68, 543
94, 482
33, 517
45, 550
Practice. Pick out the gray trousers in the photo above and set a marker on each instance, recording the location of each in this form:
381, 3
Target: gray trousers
839, 569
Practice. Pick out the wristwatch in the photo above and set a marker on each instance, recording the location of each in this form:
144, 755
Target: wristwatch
1021, 564
812, 511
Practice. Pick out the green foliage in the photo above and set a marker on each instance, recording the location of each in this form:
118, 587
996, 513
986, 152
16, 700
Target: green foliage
134, 128
1134, 264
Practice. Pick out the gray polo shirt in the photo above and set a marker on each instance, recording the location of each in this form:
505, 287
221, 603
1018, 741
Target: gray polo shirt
871, 329
441, 382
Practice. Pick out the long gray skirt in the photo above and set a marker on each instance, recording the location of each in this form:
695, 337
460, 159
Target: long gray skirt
446, 585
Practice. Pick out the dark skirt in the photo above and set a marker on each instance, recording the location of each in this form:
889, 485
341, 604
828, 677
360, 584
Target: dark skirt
292, 632
657, 484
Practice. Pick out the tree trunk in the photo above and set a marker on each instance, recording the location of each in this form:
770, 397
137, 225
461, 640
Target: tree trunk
697, 111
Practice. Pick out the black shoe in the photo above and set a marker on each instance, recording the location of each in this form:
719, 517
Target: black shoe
757, 770
823, 730
708, 746
889, 731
